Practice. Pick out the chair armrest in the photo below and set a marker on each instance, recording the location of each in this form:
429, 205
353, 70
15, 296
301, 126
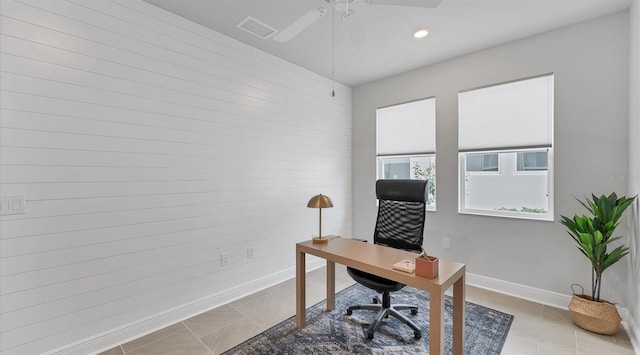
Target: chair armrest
360, 239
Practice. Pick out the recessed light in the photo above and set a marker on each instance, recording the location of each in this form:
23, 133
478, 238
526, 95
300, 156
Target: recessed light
421, 33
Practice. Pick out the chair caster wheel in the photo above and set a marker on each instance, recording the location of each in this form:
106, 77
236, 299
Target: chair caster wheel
414, 312
349, 312
417, 335
369, 335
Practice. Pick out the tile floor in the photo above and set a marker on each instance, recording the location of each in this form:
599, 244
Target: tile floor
536, 329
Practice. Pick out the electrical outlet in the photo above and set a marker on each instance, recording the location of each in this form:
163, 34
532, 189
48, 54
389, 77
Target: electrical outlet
445, 243
224, 259
10, 205
249, 253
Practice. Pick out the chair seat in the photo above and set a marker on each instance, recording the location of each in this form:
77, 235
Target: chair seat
374, 282
400, 225
384, 306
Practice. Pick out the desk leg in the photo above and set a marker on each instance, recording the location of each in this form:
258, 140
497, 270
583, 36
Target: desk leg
300, 289
331, 285
436, 322
458, 316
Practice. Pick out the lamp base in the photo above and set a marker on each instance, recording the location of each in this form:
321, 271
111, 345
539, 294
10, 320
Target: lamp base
320, 240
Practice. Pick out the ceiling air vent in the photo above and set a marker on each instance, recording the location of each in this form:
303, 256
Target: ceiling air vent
256, 27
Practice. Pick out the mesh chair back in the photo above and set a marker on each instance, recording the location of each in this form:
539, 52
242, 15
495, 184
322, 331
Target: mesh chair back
401, 213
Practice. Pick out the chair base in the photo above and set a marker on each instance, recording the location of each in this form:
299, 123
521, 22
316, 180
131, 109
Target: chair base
385, 309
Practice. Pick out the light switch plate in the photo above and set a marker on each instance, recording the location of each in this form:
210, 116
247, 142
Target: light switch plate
10, 205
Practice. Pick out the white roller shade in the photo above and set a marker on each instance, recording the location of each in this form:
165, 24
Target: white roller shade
408, 128
512, 115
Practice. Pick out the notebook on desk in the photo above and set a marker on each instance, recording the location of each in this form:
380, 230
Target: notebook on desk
406, 265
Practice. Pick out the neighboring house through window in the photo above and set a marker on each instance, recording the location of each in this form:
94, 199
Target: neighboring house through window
505, 149
406, 143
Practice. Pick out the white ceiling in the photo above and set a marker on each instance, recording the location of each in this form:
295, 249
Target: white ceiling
457, 27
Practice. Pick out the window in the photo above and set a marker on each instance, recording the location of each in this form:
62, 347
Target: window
532, 161
505, 149
418, 167
395, 167
482, 162
406, 143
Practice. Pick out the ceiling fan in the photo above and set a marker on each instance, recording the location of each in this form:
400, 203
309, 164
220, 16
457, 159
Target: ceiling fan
344, 7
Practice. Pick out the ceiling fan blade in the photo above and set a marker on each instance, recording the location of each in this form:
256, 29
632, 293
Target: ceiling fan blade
411, 3
299, 25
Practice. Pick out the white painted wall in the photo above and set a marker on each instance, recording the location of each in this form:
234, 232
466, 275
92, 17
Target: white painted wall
146, 146
590, 62
633, 260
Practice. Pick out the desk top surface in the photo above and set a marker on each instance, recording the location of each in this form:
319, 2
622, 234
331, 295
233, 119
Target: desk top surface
379, 260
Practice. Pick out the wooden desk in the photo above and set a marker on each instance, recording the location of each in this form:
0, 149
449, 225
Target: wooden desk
378, 260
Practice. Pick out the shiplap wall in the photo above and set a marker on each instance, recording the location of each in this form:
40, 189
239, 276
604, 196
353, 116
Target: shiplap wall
146, 146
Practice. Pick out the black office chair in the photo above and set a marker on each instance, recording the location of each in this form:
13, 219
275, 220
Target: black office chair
400, 224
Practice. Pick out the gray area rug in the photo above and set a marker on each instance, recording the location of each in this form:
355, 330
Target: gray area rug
337, 333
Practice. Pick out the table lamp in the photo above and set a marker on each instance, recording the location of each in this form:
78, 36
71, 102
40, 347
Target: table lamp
320, 201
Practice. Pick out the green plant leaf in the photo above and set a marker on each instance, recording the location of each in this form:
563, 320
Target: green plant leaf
598, 237
594, 232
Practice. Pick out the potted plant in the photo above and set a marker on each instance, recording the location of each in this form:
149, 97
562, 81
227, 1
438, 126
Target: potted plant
593, 234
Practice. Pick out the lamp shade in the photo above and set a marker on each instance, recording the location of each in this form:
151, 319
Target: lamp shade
320, 201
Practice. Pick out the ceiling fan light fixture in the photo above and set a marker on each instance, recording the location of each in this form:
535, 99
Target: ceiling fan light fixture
421, 33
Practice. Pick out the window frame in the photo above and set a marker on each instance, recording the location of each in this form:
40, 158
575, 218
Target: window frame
380, 172
486, 109
410, 153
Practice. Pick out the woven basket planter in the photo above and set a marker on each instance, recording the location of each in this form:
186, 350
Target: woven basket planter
598, 317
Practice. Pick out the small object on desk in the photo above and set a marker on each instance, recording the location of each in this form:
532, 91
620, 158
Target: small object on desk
427, 266
360, 239
406, 265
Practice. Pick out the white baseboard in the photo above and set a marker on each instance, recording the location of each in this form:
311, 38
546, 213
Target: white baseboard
135, 330
110, 339
549, 298
529, 293
630, 325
